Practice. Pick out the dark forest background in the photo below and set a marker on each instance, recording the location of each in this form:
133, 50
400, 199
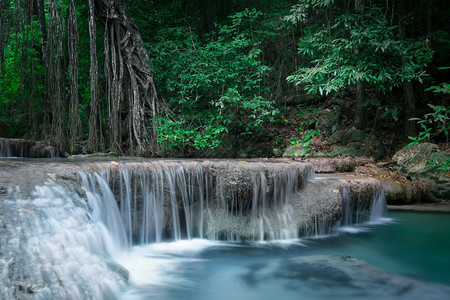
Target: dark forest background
222, 78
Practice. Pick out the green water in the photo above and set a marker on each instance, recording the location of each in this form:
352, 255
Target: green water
416, 245
413, 245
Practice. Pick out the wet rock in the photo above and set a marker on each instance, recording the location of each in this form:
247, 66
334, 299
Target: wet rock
26, 148
337, 164
398, 189
119, 269
427, 163
350, 278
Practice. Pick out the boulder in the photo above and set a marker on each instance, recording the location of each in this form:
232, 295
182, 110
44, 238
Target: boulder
356, 142
337, 164
329, 121
298, 151
426, 162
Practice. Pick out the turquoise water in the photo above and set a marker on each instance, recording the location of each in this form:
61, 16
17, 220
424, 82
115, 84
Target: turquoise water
415, 246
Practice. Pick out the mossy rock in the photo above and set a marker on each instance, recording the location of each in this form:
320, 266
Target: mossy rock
357, 143
346, 151
329, 121
349, 135
425, 162
298, 151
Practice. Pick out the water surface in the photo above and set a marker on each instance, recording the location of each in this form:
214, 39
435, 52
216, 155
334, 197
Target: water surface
412, 245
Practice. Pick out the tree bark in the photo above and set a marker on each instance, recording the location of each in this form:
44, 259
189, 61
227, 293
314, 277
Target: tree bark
93, 141
4, 36
360, 118
408, 90
55, 72
73, 39
126, 69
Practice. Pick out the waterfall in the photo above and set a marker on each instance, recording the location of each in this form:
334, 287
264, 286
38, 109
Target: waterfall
378, 209
170, 202
62, 244
362, 209
5, 148
105, 210
56, 246
174, 202
26, 148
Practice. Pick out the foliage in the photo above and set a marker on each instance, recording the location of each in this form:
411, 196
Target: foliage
433, 124
440, 161
221, 75
358, 48
305, 140
213, 87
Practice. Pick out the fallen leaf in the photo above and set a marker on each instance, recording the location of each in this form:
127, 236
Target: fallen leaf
52, 176
316, 186
25, 210
32, 288
8, 262
336, 191
115, 163
243, 161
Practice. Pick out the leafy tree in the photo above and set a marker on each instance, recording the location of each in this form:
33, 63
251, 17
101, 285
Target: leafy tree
211, 88
358, 49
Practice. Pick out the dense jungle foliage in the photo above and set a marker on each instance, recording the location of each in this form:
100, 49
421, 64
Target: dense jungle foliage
222, 78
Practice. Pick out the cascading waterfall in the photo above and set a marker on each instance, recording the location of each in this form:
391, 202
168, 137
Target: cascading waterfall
59, 245
359, 210
173, 203
5, 148
56, 247
26, 148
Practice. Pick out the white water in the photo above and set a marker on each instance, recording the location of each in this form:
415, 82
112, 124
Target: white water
56, 244
158, 204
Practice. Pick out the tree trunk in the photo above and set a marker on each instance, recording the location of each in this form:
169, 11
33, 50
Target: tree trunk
55, 72
408, 91
360, 119
4, 36
44, 62
93, 142
126, 69
410, 108
73, 38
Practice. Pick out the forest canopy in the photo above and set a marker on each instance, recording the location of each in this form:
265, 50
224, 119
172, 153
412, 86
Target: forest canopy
186, 78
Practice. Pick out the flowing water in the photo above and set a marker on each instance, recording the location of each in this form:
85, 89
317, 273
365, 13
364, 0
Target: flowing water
168, 232
413, 245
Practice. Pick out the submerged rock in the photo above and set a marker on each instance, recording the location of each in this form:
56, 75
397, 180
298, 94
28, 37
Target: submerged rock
345, 277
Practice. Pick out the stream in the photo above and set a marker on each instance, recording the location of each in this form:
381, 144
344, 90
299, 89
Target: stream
414, 246
209, 230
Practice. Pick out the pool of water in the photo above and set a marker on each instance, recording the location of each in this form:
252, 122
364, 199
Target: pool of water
414, 246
